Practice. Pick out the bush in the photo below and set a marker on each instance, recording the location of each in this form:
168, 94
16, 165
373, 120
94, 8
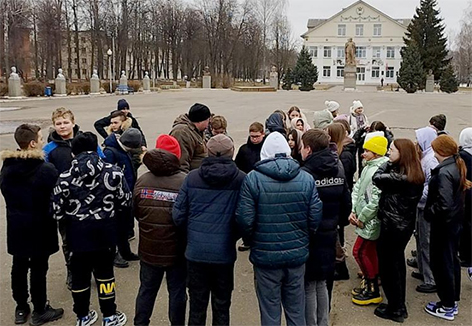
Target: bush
34, 88
3, 89
449, 82
106, 87
135, 84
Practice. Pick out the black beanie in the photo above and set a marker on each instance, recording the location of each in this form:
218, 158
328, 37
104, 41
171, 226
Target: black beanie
122, 105
84, 142
199, 112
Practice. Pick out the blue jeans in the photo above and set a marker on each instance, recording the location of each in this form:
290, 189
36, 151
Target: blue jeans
151, 279
317, 303
276, 287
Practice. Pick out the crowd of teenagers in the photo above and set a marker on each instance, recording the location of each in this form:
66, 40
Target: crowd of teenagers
289, 193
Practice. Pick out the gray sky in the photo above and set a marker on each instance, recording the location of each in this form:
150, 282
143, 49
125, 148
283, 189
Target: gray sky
299, 11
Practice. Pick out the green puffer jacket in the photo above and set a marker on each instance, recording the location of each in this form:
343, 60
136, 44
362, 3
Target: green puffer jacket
365, 200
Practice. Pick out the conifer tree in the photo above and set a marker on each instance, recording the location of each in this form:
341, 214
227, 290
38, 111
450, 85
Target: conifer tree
449, 82
288, 80
305, 72
411, 75
426, 30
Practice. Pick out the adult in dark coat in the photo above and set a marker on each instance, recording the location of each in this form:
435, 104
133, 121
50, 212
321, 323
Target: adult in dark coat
206, 207
445, 211
401, 182
161, 245
330, 181
465, 141
27, 182
102, 124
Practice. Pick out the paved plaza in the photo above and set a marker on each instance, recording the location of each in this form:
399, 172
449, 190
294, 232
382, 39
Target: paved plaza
156, 111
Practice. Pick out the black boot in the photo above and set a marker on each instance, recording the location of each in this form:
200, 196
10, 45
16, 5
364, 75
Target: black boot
119, 261
45, 316
386, 313
370, 295
340, 271
22, 313
361, 287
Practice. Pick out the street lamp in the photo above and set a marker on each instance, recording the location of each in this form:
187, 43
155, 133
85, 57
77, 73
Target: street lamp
109, 52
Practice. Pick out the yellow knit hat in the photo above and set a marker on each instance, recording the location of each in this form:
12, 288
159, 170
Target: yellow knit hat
377, 145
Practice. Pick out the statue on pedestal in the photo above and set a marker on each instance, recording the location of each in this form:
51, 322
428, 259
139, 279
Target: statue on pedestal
60, 75
206, 71
350, 49
14, 74
95, 74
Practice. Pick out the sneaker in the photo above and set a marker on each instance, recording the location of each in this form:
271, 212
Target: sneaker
385, 313
244, 247
434, 309
120, 262
414, 253
87, 320
426, 288
417, 275
370, 294
21, 314
456, 309
383, 307
412, 262
469, 273
49, 314
119, 319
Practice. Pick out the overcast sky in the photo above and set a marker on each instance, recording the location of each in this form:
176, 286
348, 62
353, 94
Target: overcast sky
299, 11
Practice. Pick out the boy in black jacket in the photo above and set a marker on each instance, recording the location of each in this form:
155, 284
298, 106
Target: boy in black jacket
27, 182
88, 197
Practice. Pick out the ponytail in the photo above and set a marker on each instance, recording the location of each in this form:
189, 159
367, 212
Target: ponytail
465, 184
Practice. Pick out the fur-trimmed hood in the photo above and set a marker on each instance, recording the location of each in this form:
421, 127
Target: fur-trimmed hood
124, 126
22, 154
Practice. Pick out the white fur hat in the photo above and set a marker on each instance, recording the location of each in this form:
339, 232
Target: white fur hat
332, 106
356, 104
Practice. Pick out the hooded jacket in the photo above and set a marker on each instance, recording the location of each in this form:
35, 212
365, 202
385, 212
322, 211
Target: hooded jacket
87, 198
333, 190
26, 182
425, 136
192, 143
206, 206
465, 141
275, 123
398, 200
59, 151
278, 209
248, 155
102, 124
322, 119
115, 154
155, 192
445, 203
353, 120
365, 200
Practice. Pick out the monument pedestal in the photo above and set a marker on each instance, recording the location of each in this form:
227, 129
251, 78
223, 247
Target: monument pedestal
429, 83
146, 83
14, 85
94, 86
274, 82
61, 89
206, 82
350, 78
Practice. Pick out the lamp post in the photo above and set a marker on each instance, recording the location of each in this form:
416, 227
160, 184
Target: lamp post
110, 73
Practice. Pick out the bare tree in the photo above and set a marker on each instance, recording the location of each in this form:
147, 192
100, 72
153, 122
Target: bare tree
462, 53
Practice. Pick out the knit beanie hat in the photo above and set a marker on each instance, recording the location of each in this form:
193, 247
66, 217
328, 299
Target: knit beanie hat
332, 106
438, 121
170, 144
377, 145
131, 138
274, 144
123, 105
220, 145
84, 142
356, 104
199, 112
445, 146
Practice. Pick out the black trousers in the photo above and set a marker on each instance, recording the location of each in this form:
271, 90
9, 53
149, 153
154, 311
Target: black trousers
391, 253
125, 225
204, 280
465, 249
100, 263
445, 263
38, 267
151, 279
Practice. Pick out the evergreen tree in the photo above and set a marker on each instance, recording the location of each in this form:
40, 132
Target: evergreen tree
411, 75
305, 72
427, 32
288, 80
449, 82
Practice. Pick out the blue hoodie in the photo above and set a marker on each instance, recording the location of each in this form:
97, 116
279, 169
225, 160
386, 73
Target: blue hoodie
424, 137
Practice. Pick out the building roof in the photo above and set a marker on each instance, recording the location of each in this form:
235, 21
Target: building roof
314, 23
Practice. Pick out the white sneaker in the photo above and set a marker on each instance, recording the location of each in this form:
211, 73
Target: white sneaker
87, 320
119, 319
469, 273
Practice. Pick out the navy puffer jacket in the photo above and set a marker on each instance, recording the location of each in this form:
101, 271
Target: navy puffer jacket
206, 207
278, 209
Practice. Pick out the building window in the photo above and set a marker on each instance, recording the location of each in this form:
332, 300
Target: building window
390, 73
76, 61
359, 30
340, 71
375, 72
390, 52
76, 72
84, 60
376, 52
326, 71
377, 29
84, 51
327, 52
340, 52
313, 51
82, 39
360, 52
84, 71
342, 30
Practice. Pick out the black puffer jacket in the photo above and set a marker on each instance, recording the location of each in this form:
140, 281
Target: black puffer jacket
398, 200
445, 202
332, 188
348, 159
26, 182
248, 155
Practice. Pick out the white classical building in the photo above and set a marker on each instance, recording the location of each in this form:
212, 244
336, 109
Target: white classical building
378, 39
